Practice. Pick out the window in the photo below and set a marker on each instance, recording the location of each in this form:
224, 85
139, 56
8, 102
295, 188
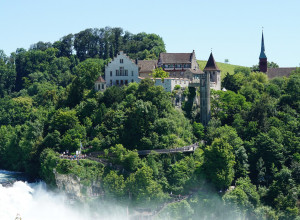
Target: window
121, 71
102, 86
121, 82
131, 73
117, 82
110, 73
117, 73
126, 72
132, 80
98, 86
121, 60
126, 82
111, 82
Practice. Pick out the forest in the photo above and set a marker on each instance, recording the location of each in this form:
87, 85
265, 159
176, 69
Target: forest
247, 165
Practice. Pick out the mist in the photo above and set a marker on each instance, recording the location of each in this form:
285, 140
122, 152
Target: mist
35, 202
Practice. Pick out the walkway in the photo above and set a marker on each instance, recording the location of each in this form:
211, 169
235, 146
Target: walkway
186, 149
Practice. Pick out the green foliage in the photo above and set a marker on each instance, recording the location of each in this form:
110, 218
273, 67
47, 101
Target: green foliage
114, 184
184, 174
225, 105
64, 120
282, 193
48, 105
106, 42
88, 71
219, 163
49, 161
198, 130
244, 197
180, 210
142, 188
160, 73
120, 155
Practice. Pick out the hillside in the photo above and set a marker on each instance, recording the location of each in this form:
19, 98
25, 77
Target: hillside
223, 67
246, 166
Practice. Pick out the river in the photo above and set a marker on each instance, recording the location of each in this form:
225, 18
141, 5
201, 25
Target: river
33, 201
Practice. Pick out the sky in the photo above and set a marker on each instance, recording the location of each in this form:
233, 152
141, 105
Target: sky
230, 28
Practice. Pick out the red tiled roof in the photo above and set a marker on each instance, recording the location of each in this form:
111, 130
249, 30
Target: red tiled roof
100, 79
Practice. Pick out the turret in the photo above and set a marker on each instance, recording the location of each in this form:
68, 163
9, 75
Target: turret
213, 70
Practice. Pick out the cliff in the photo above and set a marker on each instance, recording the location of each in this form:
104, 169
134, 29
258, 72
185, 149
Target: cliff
77, 188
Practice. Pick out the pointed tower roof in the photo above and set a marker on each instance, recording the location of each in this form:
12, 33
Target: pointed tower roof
262, 51
211, 64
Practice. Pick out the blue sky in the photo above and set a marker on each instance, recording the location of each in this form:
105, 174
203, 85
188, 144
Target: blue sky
232, 27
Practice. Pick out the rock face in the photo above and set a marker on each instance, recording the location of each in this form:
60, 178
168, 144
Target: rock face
75, 188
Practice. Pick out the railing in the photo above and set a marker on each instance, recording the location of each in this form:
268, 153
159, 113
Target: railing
190, 148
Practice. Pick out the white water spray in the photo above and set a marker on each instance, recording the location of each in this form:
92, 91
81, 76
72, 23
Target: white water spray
34, 202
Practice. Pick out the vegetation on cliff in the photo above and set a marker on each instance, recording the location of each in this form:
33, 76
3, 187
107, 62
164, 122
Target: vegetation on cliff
48, 106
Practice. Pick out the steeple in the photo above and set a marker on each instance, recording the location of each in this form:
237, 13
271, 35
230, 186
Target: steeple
262, 51
211, 64
263, 62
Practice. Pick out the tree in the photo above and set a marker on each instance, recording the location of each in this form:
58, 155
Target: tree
244, 70
88, 71
64, 120
160, 73
65, 46
219, 163
114, 184
282, 194
243, 198
198, 130
142, 188
226, 104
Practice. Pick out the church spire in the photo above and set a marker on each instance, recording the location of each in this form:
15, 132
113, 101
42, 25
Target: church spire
262, 51
263, 62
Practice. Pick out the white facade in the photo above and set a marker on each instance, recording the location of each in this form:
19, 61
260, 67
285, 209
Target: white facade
100, 86
169, 83
121, 71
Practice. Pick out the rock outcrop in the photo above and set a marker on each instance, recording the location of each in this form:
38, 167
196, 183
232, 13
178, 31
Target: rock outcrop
74, 187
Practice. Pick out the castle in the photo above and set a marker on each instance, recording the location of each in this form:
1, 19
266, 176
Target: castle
183, 71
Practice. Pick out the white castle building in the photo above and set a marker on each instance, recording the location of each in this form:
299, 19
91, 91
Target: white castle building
121, 71
182, 67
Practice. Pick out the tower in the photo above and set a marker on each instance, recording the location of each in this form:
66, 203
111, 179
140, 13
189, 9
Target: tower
204, 98
212, 74
263, 62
